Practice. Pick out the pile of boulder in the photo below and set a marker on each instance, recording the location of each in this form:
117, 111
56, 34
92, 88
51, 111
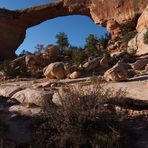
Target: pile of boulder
61, 70
119, 67
33, 64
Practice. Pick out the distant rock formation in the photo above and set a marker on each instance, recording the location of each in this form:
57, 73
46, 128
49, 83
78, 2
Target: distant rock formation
107, 13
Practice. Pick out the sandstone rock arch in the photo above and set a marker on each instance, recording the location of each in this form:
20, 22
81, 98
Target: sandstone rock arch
107, 13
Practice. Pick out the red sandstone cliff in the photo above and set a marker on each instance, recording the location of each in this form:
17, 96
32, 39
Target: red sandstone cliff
108, 13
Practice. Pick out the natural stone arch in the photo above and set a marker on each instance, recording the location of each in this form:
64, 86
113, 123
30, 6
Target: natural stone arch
83, 26
107, 13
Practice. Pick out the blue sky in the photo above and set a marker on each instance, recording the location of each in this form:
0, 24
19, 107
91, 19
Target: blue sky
76, 27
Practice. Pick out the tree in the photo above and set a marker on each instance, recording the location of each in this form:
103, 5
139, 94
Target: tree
24, 52
103, 41
62, 41
39, 49
91, 45
78, 55
103, 44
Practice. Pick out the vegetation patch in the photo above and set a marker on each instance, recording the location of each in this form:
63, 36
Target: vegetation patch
84, 119
146, 37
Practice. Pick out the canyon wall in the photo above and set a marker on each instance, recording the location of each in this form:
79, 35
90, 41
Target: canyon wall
111, 14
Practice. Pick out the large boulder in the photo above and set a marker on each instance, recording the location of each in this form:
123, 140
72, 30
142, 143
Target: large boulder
33, 96
116, 73
92, 64
8, 90
55, 71
75, 75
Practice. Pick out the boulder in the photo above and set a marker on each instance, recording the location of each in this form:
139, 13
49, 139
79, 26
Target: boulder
26, 111
140, 64
33, 96
75, 75
55, 71
69, 69
9, 90
51, 54
116, 73
56, 99
59, 96
92, 64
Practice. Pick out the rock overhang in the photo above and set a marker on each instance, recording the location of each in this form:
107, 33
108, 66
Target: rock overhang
110, 14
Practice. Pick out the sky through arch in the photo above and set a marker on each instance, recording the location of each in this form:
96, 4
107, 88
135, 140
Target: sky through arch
76, 27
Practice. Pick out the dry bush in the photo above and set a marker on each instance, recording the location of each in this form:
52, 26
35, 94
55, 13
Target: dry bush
145, 37
84, 120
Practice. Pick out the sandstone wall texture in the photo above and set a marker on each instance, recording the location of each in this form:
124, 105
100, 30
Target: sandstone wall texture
107, 13
143, 21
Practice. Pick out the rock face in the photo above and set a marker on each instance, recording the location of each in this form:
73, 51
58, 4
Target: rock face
55, 71
140, 64
107, 13
143, 21
137, 43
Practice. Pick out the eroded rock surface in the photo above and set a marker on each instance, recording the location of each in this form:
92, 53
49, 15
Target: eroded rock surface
112, 14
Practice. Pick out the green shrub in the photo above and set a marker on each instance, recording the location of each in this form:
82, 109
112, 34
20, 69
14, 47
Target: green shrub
146, 37
128, 36
6, 68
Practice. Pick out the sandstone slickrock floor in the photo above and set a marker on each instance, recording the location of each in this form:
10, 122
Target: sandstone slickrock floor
24, 97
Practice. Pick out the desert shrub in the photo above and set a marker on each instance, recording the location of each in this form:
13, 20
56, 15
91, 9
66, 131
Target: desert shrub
145, 37
128, 36
84, 119
6, 68
103, 43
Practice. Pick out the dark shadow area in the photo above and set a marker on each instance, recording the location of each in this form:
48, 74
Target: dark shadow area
139, 78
